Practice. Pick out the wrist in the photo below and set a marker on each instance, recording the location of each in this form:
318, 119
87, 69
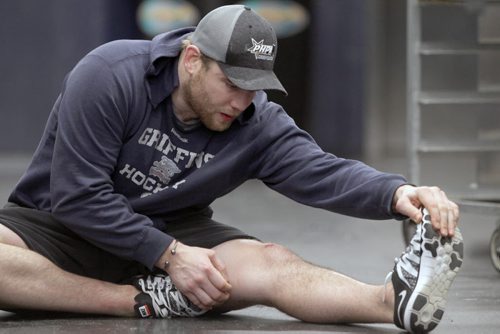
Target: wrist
170, 253
398, 194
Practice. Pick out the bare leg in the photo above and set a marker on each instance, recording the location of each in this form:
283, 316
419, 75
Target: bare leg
30, 281
271, 275
7, 236
265, 274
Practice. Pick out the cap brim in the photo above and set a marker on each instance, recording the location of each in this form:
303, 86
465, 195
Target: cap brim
252, 79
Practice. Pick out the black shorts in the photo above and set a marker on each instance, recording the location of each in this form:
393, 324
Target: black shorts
44, 235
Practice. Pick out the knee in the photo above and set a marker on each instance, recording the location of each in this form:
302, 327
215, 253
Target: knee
276, 255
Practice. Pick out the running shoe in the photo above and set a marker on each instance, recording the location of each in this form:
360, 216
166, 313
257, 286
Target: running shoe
422, 276
159, 298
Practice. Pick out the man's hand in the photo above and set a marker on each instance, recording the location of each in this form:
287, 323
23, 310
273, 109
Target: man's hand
444, 213
198, 274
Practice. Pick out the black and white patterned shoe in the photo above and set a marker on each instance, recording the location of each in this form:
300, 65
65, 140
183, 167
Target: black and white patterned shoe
422, 276
161, 299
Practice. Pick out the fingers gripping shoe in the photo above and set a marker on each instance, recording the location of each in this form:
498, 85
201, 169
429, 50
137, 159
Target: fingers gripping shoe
422, 276
159, 298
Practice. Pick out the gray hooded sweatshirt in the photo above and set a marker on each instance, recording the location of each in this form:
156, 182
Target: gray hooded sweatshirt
115, 166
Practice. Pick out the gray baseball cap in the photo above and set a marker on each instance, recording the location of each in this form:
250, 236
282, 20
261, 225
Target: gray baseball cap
244, 45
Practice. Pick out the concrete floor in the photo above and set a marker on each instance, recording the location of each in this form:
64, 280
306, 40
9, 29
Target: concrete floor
361, 249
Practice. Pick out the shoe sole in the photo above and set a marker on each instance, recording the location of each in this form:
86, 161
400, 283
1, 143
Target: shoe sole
441, 260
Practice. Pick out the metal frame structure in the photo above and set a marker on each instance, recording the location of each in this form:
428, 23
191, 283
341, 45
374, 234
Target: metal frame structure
482, 201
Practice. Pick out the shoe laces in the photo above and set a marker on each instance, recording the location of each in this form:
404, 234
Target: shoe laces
167, 300
409, 258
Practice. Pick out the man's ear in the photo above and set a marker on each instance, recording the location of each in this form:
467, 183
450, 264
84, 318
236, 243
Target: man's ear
192, 59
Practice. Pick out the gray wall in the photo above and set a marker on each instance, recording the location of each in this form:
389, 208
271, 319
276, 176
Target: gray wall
385, 84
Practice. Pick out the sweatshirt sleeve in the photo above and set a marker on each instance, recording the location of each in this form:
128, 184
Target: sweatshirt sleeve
294, 165
91, 127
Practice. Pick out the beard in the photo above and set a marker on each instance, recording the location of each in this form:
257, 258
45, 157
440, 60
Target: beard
199, 101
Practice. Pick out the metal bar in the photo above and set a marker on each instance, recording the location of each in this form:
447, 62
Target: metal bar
413, 87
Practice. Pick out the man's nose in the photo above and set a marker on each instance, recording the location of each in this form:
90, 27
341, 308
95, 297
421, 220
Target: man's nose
242, 99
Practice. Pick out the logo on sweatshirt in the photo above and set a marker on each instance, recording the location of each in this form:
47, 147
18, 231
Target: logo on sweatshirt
164, 169
163, 173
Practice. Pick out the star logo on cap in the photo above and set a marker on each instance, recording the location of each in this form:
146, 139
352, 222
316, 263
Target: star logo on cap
261, 50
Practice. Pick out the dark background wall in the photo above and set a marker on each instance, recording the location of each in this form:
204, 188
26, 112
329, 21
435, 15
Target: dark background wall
336, 76
40, 42
321, 67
